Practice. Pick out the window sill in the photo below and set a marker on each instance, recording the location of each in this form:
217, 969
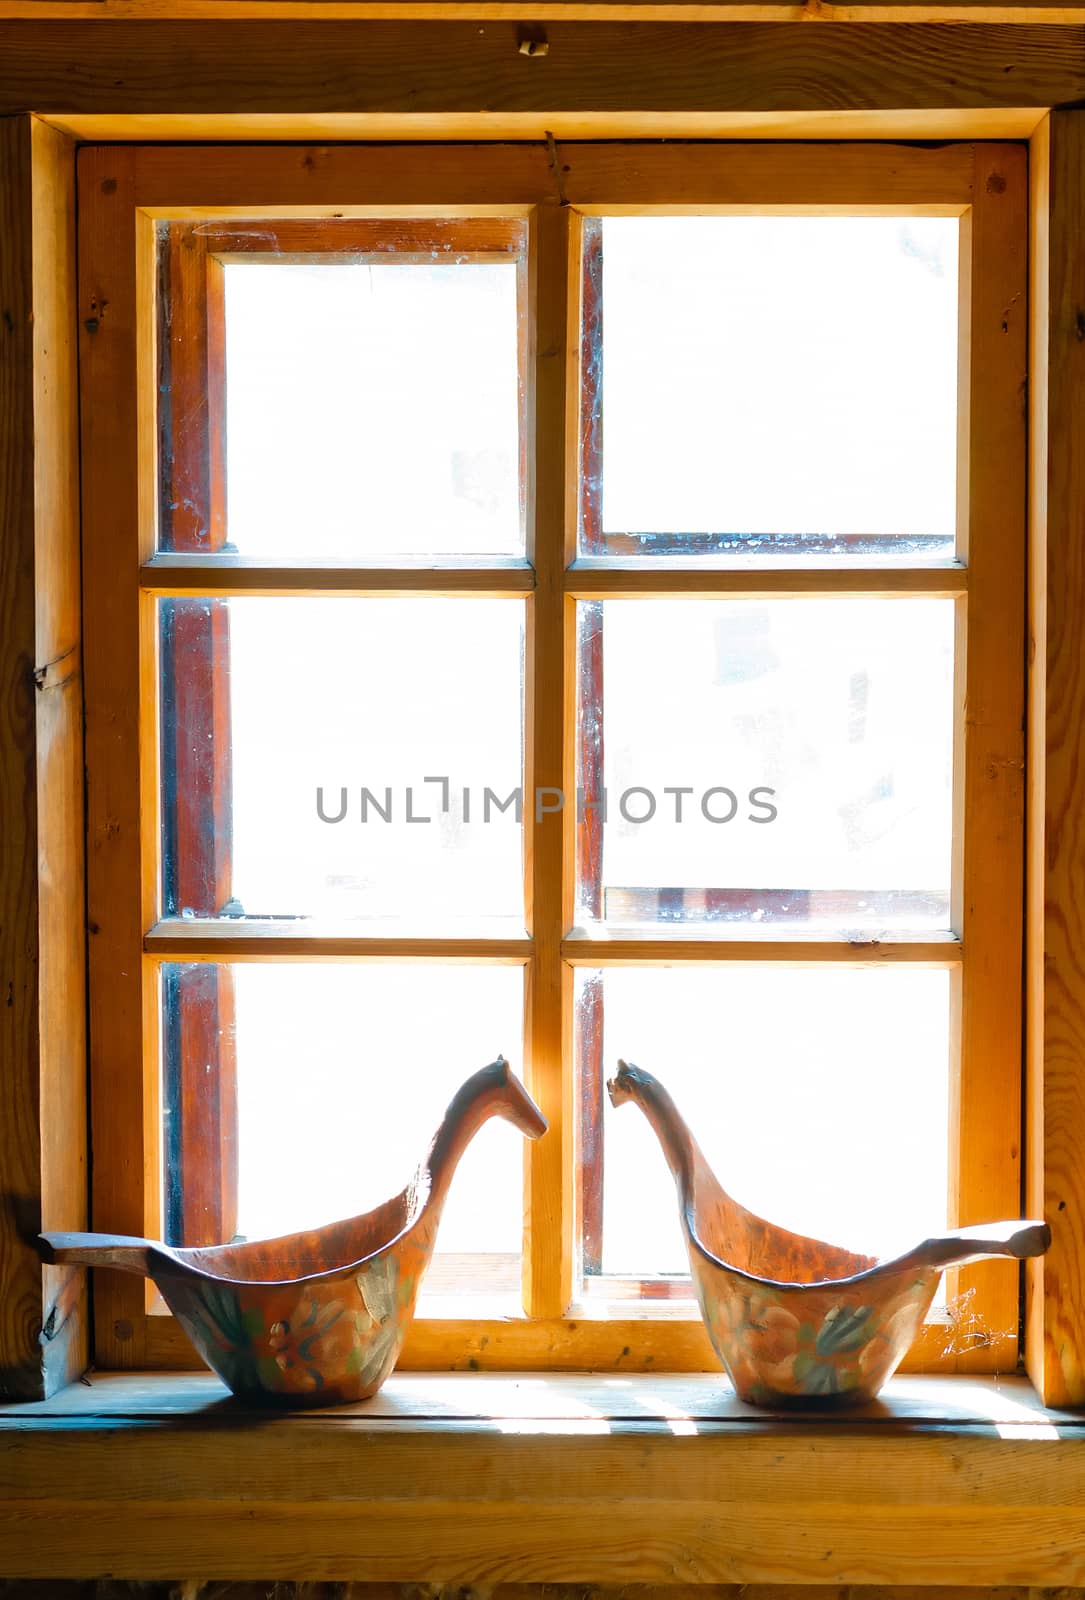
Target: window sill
462, 1478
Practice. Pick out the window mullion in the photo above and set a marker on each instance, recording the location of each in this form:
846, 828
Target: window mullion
549, 685
989, 760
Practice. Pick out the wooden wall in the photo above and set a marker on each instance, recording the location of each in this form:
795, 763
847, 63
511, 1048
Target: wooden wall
115, 1589
42, 1038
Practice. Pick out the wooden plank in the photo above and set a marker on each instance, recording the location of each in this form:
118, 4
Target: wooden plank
587, 1540
1009, 122
660, 1482
20, 1270
973, 1403
42, 1321
250, 939
128, 66
177, 574
1011, 11
390, 241
1055, 1331
266, 182
1039, 406
113, 542
621, 947
988, 876
59, 737
548, 834
655, 577
974, 11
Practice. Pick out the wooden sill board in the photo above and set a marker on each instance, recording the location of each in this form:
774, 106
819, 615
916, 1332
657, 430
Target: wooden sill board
468, 1478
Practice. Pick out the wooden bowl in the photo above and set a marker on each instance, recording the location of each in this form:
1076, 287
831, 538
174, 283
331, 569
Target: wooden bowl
794, 1321
314, 1318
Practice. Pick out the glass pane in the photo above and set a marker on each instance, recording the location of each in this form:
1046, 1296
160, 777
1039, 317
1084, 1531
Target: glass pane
327, 757
319, 1088
780, 761
774, 384
818, 1094
373, 409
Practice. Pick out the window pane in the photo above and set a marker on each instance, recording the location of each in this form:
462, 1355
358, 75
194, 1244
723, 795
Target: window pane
304, 741
327, 1083
773, 384
781, 761
818, 1094
373, 409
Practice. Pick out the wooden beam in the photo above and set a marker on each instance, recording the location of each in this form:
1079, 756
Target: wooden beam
129, 66
464, 1481
330, 127
989, 786
974, 11
1011, 11
1055, 1328
623, 947
398, 181
548, 675
116, 248
972, 1405
42, 1043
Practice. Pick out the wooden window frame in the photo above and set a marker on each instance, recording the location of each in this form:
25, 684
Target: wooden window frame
126, 190
751, 72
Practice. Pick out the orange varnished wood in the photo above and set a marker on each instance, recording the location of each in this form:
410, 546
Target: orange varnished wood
145, 66
1055, 1333
316, 1317
43, 1324
793, 1318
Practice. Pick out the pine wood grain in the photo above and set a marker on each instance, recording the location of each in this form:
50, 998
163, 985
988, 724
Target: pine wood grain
1011, 11
566, 1539
119, 798
111, 1589
548, 834
42, 1142
1004, 122
589, 580
20, 1273
286, 185
131, 66
659, 1482
988, 888
627, 947
59, 735
973, 1403
171, 574
1055, 1342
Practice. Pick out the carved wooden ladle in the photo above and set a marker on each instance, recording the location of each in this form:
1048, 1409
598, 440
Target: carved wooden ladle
315, 1318
795, 1321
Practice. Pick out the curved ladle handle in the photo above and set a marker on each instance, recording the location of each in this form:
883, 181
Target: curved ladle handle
492, 1091
118, 1250
1017, 1240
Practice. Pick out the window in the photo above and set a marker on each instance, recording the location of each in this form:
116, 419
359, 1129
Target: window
682, 482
